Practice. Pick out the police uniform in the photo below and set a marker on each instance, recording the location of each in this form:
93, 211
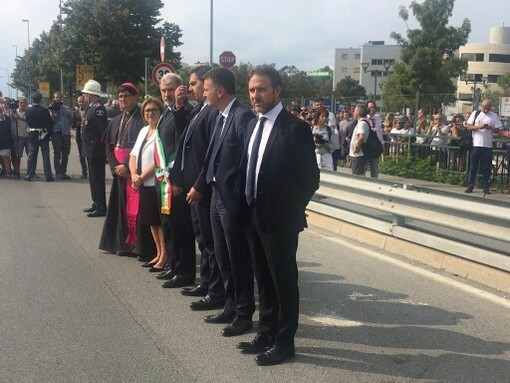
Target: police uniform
93, 149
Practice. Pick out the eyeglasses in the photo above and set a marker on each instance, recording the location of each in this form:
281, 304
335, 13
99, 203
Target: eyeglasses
121, 96
147, 111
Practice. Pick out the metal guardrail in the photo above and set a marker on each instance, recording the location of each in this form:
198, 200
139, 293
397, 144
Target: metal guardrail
454, 224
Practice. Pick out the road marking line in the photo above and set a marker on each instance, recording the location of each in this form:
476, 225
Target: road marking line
417, 270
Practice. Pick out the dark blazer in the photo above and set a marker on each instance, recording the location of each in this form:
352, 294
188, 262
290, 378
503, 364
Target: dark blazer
288, 175
195, 141
228, 156
171, 128
93, 128
38, 117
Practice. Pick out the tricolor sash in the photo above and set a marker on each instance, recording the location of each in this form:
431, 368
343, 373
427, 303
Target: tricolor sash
162, 172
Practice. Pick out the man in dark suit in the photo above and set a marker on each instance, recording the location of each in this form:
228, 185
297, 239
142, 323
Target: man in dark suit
93, 148
280, 176
177, 226
188, 164
39, 124
221, 170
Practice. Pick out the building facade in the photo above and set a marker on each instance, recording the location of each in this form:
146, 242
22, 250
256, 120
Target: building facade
347, 63
486, 63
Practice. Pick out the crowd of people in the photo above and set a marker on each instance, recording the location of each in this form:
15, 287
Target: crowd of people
233, 179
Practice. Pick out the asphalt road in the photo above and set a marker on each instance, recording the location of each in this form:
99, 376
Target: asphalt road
70, 313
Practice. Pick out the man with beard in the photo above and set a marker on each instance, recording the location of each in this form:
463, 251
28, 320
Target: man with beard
120, 226
280, 175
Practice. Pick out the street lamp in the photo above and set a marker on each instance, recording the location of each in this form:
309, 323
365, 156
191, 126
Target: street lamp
28, 32
474, 79
376, 73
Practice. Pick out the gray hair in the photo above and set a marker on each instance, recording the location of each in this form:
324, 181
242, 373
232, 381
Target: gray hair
171, 78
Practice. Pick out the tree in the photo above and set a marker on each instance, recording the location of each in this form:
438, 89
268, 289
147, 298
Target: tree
504, 83
349, 90
428, 54
114, 36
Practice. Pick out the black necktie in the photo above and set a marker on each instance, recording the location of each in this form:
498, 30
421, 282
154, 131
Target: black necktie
252, 165
218, 127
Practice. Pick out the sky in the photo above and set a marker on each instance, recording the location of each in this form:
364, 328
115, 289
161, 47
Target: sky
283, 32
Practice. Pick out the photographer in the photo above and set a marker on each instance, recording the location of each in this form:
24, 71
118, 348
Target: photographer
20, 134
61, 139
322, 138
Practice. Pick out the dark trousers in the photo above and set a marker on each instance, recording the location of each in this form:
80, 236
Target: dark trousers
274, 259
233, 258
179, 238
210, 275
483, 155
83, 160
33, 151
61, 149
97, 172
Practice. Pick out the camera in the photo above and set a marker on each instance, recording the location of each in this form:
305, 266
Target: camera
319, 139
14, 105
55, 106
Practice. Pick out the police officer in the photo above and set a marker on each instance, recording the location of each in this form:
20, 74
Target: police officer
93, 149
39, 133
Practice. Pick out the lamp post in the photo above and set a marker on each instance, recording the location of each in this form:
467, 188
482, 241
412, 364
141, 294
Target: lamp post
376, 73
28, 32
474, 79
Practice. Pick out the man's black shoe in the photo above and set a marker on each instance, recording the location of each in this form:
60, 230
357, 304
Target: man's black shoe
259, 344
195, 291
89, 210
166, 275
179, 281
469, 190
97, 213
487, 191
275, 355
145, 258
237, 327
28, 179
220, 317
207, 303
51, 179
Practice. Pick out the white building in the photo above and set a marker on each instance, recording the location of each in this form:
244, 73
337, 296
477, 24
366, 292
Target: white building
486, 63
347, 63
376, 61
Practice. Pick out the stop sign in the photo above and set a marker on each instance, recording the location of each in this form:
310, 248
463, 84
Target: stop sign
227, 59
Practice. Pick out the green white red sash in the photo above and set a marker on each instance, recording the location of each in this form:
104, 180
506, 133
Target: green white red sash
162, 172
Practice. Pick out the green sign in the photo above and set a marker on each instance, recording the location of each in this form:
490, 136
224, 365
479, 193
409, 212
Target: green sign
319, 74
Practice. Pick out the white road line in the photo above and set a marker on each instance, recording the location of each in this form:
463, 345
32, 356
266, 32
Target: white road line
417, 270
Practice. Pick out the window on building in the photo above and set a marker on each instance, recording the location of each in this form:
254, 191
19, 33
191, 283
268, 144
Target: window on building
343, 70
344, 56
376, 62
478, 57
357, 56
497, 58
356, 70
493, 78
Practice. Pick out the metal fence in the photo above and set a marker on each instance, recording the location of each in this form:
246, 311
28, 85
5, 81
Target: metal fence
449, 157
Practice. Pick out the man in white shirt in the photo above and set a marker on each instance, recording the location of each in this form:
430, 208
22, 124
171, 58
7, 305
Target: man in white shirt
482, 125
359, 136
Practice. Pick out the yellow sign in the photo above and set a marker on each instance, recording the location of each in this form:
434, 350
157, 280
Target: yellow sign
44, 89
84, 73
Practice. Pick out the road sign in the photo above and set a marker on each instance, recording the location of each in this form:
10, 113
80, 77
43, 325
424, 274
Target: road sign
160, 70
44, 89
504, 106
162, 49
227, 59
84, 73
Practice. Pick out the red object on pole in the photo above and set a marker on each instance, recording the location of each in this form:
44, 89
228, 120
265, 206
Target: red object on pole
227, 59
162, 49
